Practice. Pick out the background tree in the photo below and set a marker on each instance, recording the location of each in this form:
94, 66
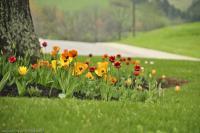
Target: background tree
194, 11
16, 28
121, 13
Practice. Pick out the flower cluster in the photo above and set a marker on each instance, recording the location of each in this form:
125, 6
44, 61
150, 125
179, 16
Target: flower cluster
109, 77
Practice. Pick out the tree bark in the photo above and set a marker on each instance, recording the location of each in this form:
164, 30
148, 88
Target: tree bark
133, 17
17, 29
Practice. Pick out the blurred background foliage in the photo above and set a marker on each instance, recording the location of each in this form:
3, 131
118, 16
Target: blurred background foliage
108, 20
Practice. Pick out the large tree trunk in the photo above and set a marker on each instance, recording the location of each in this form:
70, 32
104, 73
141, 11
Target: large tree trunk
16, 28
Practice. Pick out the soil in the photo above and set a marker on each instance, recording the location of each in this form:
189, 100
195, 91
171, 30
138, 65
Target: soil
44, 91
171, 82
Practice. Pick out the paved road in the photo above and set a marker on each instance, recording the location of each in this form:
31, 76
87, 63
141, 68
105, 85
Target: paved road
84, 48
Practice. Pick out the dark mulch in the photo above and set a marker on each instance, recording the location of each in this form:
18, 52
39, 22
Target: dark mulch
82, 96
9, 91
44, 91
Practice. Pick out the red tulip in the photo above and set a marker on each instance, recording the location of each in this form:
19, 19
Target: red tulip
92, 69
123, 59
137, 67
104, 56
136, 73
44, 44
127, 63
117, 64
118, 56
88, 63
90, 55
129, 58
112, 59
12, 59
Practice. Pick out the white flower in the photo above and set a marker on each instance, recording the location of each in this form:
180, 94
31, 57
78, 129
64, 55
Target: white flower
146, 62
61, 96
142, 69
163, 76
151, 62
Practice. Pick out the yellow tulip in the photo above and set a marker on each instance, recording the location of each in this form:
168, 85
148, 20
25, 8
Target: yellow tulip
54, 64
89, 75
128, 82
65, 62
79, 68
22, 70
111, 79
153, 72
177, 88
102, 68
163, 77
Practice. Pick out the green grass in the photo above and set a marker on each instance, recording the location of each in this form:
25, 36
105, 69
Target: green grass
173, 113
182, 5
182, 39
72, 5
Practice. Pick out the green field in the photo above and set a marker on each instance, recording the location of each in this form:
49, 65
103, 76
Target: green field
77, 4
182, 5
72, 5
174, 113
182, 39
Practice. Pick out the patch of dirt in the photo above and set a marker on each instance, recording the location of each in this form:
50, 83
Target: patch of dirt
171, 82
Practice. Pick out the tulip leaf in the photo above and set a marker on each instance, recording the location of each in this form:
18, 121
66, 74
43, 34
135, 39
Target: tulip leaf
21, 87
4, 80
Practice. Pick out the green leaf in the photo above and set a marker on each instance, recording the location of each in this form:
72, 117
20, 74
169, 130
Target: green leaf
4, 80
21, 88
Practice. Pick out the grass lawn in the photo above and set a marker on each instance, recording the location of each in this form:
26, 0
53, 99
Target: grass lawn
182, 39
173, 113
73, 5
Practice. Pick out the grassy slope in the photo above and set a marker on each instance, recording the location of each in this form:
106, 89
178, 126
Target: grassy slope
183, 39
175, 112
77, 4
72, 5
183, 5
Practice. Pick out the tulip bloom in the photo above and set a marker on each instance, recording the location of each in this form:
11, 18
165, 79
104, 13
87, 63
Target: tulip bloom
79, 68
92, 69
137, 67
153, 72
102, 69
112, 59
73, 53
117, 64
12, 59
177, 88
136, 73
44, 44
22, 70
89, 76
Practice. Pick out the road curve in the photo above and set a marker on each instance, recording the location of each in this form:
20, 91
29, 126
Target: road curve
99, 49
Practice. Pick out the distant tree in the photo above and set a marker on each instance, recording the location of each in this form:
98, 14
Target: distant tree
194, 11
16, 28
169, 9
121, 14
133, 17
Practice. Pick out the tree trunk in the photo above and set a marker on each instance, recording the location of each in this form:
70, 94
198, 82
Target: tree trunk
16, 28
133, 17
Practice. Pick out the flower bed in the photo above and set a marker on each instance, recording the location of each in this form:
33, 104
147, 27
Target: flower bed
63, 75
